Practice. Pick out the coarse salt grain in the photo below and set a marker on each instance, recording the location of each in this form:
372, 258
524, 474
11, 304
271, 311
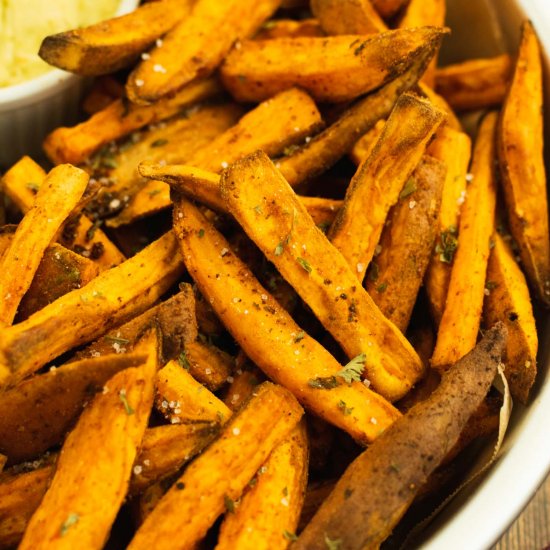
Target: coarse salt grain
137, 469
236, 431
139, 82
360, 267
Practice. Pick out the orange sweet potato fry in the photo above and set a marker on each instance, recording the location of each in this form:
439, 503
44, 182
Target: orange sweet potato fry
352, 17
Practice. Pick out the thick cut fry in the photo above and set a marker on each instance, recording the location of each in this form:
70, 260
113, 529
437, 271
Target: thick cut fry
322, 211
196, 46
269, 336
280, 226
115, 43
520, 152
333, 69
75, 144
20, 183
103, 91
440, 102
351, 17
58, 195
425, 12
388, 8
289, 28
454, 149
84, 314
217, 477
508, 301
379, 486
364, 146
242, 386
268, 513
462, 314
381, 178
406, 244
84, 496
37, 413
476, 83
208, 364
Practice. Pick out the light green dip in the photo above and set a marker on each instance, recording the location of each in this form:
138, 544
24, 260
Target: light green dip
24, 23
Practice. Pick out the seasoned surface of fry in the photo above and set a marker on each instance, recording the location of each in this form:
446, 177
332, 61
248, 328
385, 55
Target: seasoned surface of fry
462, 314
334, 69
388, 8
113, 44
217, 478
520, 152
196, 46
351, 17
378, 487
285, 28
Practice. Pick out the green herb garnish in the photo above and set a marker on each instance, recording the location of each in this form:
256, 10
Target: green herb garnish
448, 245
159, 142
127, 408
304, 264
408, 189
353, 370
290, 536
332, 544
71, 520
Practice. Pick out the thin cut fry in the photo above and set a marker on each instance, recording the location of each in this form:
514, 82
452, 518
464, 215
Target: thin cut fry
459, 325
269, 336
381, 178
268, 514
196, 46
352, 17
520, 152
332, 69
56, 198
113, 44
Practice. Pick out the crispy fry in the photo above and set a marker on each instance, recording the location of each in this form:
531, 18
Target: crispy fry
267, 333
381, 178
84, 314
84, 496
208, 364
217, 477
454, 149
388, 8
520, 152
352, 17
508, 301
20, 183
287, 28
476, 83
111, 45
120, 118
242, 386
462, 314
364, 145
406, 244
104, 90
333, 69
196, 46
56, 198
379, 486
322, 211
268, 513
440, 102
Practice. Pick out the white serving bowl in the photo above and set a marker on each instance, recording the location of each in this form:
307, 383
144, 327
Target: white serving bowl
31, 109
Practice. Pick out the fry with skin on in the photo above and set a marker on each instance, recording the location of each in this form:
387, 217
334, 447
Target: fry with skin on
268, 334
454, 149
352, 17
275, 220
218, 476
113, 44
406, 244
380, 179
476, 83
56, 198
268, 513
84, 314
196, 46
331, 69
378, 487
76, 143
508, 301
520, 155
84, 496
461, 318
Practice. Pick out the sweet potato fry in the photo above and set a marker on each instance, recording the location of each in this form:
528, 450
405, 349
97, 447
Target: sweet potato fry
75, 144
459, 325
331, 69
507, 300
388, 8
56, 198
476, 83
84, 496
269, 336
196, 46
268, 514
208, 364
364, 146
406, 244
113, 44
520, 152
20, 184
84, 314
241, 387
440, 102
289, 28
454, 149
381, 178
379, 486
218, 476
103, 91
352, 17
